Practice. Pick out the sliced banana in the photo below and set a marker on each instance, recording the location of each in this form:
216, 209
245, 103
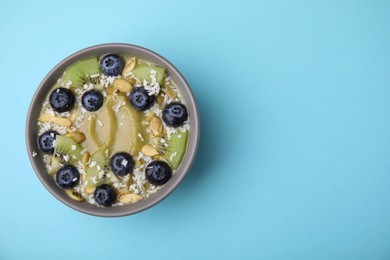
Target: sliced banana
130, 198
149, 150
74, 195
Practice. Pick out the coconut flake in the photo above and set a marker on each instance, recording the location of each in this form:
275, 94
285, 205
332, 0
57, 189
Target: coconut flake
172, 156
92, 164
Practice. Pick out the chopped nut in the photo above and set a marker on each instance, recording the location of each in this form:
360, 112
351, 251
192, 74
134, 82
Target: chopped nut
74, 195
149, 115
90, 190
132, 81
129, 66
44, 118
121, 85
156, 126
83, 177
122, 192
159, 157
130, 198
138, 163
149, 150
76, 136
160, 99
85, 159
171, 94
73, 116
60, 121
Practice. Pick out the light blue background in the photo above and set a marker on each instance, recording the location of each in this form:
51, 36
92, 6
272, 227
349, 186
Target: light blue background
294, 158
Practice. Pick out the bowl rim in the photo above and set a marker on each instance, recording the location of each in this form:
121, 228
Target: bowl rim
192, 143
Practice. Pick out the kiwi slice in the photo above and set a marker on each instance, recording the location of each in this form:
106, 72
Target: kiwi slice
66, 145
102, 162
143, 73
82, 72
55, 164
176, 148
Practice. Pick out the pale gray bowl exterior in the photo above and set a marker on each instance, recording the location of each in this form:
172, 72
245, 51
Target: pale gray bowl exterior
51, 79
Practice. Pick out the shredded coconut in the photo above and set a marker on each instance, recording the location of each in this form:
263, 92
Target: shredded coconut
92, 164
99, 122
172, 156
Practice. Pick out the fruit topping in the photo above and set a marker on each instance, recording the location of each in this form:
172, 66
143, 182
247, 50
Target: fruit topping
92, 100
105, 195
158, 172
174, 114
140, 99
111, 65
62, 100
122, 164
67, 177
46, 141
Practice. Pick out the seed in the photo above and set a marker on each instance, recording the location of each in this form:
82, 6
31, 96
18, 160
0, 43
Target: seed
130, 198
76, 136
171, 94
61, 121
156, 126
129, 66
44, 118
149, 150
121, 85
74, 195
85, 159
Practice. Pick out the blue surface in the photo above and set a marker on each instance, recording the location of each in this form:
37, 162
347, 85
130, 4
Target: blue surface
294, 158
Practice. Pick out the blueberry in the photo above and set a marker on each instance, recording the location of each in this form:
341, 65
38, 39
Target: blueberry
92, 100
105, 195
62, 100
122, 164
140, 99
111, 65
158, 172
174, 114
67, 176
46, 141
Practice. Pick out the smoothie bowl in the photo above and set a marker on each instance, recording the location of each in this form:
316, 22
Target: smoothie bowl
112, 130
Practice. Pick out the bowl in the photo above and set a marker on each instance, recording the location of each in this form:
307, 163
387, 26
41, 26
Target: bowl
32, 130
